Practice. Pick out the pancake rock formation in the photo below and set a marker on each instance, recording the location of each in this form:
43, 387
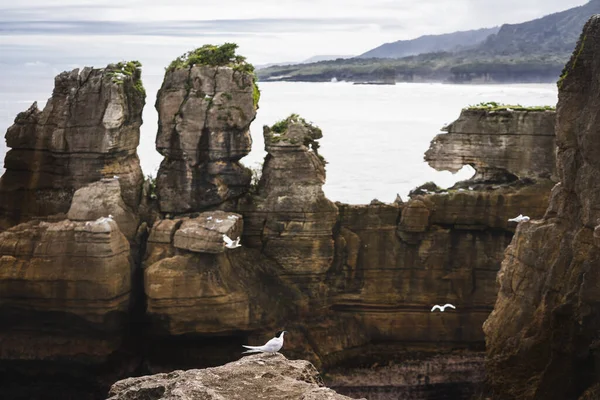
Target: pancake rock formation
88, 130
289, 217
502, 145
265, 377
204, 112
64, 291
543, 336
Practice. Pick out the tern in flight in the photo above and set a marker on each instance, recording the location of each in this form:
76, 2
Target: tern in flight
442, 308
231, 244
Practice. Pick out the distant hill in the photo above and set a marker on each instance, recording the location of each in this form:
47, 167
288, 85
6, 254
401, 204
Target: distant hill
533, 51
555, 33
431, 44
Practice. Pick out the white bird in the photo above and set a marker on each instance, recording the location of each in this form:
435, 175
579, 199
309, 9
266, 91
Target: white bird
110, 216
461, 190
232, 217
442, 308
219, 220
509, 109
231, 244
520, 218
208, 218
272, 346
115, 177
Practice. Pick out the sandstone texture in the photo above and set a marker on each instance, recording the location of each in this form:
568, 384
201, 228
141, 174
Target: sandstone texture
265, 377
542, 337
64, 290
88, 130
103, 199
195, 285
500, 145
204, 118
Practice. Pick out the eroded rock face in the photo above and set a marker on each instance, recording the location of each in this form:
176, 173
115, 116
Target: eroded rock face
204, 118
103, 199
542, 337
64, 290
268, 377
290, 217
88, 130
195, 285
500, 145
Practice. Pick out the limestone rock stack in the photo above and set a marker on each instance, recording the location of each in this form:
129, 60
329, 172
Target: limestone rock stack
88, 130
204, 114
542, 337
290, 217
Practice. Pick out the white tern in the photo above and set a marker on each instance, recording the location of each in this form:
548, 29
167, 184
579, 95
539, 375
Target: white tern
272, 346
442, 308
231, 244
520, 218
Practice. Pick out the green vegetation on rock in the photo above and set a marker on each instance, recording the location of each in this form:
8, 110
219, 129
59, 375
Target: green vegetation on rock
279, 129
215, 56
495, 106
218, 56
119, 71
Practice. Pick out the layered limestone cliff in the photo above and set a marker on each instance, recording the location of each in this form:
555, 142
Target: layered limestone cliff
543, 336
204, 111
502, 145
353, 284
88, 130
267, 377
64, 291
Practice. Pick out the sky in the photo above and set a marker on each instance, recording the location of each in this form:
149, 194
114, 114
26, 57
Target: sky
34, 33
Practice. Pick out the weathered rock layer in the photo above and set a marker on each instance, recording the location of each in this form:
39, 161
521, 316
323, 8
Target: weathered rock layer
501, 145
88, 130
204, 118
543, 335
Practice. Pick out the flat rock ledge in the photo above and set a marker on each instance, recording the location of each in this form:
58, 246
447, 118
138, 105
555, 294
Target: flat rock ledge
261, 376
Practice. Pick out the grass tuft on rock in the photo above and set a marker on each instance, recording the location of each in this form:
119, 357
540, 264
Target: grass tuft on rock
496, 106
123, 69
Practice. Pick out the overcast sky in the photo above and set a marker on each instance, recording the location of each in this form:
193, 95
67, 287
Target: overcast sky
80, 31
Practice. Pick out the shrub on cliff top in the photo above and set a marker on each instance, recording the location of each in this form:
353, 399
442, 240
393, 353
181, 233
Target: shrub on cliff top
495, 106
216, 56
120, 70
310, 140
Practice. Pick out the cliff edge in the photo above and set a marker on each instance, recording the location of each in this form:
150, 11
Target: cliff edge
543, 336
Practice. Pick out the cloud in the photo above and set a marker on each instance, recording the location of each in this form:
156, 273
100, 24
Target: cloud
189, 28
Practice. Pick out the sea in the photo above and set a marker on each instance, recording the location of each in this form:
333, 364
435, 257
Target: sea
374, 136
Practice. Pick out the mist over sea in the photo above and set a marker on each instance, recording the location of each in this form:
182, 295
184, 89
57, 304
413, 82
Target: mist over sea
374, 136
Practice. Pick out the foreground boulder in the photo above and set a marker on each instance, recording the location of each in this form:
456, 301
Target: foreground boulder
265, 377
88, 130
205, 109
542, 337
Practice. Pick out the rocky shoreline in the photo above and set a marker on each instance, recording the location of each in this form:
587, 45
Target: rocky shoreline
104, 276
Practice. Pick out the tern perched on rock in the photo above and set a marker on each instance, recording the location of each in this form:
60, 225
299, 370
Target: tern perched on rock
115, 177
272, 346
232, 217
231, 244
219, 221
520, 218
442, 308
